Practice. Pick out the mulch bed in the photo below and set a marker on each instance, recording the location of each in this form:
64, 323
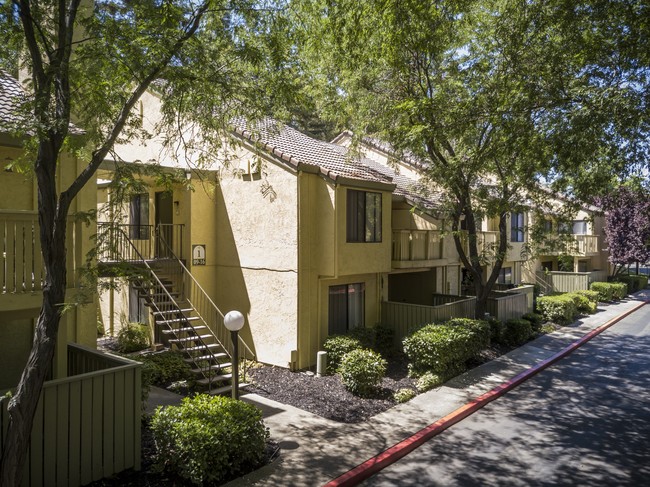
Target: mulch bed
326, 396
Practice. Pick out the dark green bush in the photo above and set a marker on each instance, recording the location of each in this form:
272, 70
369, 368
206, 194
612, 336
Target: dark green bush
165, 367
516, 332
378, 338
133, 337
209, 438
582, 302
634, 282
440, 348
336, 347
560, 309
362, 371
535, 320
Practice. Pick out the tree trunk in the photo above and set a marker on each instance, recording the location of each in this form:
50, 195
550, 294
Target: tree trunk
22, 406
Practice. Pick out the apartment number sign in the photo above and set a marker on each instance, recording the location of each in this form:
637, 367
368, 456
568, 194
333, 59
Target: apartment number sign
198, 254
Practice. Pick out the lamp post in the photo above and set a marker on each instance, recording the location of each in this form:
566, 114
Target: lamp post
234, 321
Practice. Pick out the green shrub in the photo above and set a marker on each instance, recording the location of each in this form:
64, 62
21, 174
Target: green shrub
209, 438
481, 327
559, 309
133, 337
362, 371
583, 304
378, 338
535, 320
496, 329
165, 367
589, 294
441, 348
634, 282
428, 381
404, 395
516, 332
609, 291
336, 347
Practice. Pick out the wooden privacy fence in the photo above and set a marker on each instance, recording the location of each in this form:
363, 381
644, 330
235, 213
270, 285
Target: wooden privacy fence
507, 306
404, 318
567, 282
87, 426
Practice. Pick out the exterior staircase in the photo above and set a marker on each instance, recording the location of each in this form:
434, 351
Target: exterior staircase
185, 318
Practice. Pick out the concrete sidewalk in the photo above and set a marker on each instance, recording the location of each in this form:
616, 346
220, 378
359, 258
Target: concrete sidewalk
315, 450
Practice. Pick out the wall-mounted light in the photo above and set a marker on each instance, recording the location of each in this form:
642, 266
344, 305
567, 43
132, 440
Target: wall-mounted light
177, 207
188, 175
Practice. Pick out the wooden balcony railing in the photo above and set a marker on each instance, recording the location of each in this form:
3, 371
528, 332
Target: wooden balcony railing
577, 245
485, 241
417, 245
21, 260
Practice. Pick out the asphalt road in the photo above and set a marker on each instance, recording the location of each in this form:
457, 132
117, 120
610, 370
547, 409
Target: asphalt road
584, 421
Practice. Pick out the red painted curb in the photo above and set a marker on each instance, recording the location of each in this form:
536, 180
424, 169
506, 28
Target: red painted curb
404, 447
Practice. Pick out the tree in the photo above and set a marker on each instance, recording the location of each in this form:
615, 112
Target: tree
495, 98
627, 226
91, 63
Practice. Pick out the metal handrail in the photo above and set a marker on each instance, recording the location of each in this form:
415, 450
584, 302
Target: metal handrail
177, 310
203, 295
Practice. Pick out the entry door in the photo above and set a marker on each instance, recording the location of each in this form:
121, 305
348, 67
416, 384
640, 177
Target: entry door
164, 223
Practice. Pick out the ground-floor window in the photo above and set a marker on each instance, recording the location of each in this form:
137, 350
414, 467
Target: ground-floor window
346, 307
505, 275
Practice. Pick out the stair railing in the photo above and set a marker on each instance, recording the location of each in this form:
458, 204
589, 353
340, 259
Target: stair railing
172, 308
206, 309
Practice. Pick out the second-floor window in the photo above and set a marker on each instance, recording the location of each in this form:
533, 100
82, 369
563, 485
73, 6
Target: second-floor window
139, 217
516, 227
363, 216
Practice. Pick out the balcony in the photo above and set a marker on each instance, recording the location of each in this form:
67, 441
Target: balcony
577, 246
21, 261
130, 243
417, 248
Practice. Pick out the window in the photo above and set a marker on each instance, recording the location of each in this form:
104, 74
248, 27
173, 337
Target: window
363, 216
579, 227
516, 227
505, 275
548, 225
139, 217
346, 307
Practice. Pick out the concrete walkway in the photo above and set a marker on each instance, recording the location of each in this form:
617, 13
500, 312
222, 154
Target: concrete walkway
315, 450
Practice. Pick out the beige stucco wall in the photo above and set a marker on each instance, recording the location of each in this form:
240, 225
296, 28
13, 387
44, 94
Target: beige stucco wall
256, 255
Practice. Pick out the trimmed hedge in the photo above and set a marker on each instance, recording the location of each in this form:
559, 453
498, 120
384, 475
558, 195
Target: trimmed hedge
441, 348
634, 282
516, 332
209, 438
560, 308
583, 304
362, 371
609, 291
336, 347
589, 294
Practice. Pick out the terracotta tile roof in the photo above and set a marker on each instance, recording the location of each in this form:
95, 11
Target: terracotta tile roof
12, 96
300, 150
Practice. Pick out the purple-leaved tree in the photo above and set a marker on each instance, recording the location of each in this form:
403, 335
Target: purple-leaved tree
627, 226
